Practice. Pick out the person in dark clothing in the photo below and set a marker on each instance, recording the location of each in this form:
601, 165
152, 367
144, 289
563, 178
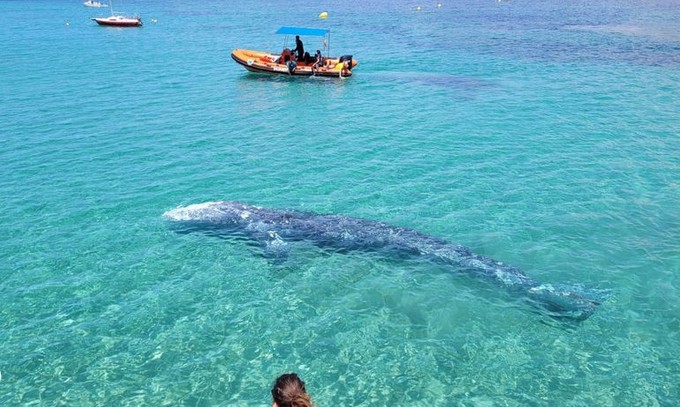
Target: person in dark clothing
291, 63
299, 48
318, 61
307, 58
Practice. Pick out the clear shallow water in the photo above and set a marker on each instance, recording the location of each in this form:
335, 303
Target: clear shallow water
542, 135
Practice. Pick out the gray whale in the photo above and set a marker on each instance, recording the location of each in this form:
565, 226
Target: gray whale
274, 227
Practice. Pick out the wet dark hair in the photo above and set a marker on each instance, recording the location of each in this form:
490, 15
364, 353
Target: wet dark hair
289, 391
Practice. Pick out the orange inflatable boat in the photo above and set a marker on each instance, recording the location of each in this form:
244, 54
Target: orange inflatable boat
288, 63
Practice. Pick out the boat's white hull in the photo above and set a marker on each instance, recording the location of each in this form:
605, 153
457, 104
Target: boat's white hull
119, 21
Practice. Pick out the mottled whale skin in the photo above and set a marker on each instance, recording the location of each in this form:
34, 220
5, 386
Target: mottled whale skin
274, 227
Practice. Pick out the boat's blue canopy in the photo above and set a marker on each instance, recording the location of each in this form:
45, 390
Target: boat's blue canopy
316, 32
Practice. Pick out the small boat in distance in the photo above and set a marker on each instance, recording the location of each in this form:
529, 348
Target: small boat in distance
96, 4
118, 20
286, 63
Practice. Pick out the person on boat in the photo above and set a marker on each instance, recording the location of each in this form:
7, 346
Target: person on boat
346, 68
291, 63
299, 48
318, 61
289, 391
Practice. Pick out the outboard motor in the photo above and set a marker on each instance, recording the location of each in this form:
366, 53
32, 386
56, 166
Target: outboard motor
347, 58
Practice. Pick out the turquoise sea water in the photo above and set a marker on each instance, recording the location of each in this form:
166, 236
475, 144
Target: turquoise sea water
542, 134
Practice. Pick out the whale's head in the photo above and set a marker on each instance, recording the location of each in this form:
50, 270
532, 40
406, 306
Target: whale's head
223, 214
566, 303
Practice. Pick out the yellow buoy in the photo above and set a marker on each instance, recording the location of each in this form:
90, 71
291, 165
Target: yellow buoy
323, 15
